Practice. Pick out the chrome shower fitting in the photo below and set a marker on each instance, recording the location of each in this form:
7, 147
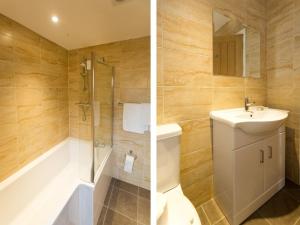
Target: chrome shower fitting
84, 107
84, 76
86, 66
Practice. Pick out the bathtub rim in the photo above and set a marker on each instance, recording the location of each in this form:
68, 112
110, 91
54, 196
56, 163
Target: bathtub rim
24, 170
101, 167
64, 144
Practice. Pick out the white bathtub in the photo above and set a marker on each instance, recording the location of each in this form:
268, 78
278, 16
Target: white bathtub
45, 191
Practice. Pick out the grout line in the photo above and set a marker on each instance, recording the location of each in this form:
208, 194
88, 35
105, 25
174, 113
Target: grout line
267, 220
122, 189
205, 214
107, 208
104, 217
137, 208
223, 216
126, 191
219, 220
297, 221
116, 211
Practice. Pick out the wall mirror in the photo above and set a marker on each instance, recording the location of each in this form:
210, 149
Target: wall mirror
236, 47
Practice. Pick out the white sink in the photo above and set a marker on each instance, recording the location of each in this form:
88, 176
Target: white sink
256, 121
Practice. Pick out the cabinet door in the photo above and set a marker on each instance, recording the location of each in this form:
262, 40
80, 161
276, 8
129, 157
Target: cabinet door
249, 180
274, 160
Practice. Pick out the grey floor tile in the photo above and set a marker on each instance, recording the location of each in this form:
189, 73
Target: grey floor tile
291, 185
212, 211
114, 218
144, 193
102, 216
124, 202
203, 217
292, 189
294, 193
281, 209
222, 222
255, 219
110, 189
126, 186
143, 215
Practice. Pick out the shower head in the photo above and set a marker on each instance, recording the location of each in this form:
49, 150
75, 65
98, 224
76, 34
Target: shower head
86, 65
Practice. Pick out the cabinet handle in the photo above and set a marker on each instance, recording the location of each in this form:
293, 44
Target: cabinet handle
262, 156
270, 152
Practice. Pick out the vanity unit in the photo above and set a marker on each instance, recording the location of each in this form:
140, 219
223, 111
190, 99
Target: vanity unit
248, 158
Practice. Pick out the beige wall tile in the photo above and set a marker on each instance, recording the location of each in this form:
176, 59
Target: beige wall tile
160, 105
228, 98
187, 90
176, 28
200, 191
196, 166
131, 61
282, 73
33, 117
196, 136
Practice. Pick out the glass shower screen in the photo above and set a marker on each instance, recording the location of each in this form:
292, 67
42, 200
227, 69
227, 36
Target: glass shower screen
102, 111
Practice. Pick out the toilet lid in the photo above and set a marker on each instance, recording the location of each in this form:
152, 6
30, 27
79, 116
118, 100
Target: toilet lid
182, 212
179, 209
161, 202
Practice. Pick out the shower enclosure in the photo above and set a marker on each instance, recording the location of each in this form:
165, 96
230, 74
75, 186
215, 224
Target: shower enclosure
96, 110
93, 144
102, 113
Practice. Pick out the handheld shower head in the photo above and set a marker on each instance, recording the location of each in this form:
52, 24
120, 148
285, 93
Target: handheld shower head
86, 65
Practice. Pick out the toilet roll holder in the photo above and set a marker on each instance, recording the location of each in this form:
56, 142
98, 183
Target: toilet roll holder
131, 154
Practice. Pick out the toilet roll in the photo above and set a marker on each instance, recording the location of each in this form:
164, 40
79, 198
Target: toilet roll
128, 166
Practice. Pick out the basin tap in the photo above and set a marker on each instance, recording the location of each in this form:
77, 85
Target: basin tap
248, 104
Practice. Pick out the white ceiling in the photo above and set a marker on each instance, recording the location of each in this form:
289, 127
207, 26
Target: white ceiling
82, 22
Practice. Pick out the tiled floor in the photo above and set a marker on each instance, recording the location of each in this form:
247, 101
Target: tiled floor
125, 204
282, 209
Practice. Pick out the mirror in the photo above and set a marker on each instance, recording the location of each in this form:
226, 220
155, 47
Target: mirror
236, 47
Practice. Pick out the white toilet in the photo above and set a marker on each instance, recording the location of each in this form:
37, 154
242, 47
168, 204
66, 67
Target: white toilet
173, 208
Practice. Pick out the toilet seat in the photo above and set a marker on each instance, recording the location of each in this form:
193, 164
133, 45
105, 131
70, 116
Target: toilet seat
161, 202
178, 210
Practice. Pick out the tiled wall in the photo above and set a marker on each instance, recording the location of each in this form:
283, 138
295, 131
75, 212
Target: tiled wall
283, 72
33, 96
79, 127
131, 60
187, 90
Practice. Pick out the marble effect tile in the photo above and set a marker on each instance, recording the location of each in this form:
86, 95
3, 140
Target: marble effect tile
131, 61
32, 121
188, 91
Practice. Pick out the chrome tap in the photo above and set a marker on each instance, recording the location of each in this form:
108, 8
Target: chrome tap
248, 104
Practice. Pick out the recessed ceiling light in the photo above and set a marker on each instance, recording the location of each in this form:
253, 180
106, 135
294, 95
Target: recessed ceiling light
54, 19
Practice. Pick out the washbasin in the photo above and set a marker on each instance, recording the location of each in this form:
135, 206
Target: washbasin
256, 121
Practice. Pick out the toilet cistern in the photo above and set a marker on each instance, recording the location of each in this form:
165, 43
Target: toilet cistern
174, 208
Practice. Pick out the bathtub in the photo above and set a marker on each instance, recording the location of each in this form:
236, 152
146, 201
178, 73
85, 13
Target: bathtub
50, 189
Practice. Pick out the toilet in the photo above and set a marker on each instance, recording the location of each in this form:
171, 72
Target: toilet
173, 208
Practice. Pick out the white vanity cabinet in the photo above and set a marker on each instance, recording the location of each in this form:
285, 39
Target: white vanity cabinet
248, 169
